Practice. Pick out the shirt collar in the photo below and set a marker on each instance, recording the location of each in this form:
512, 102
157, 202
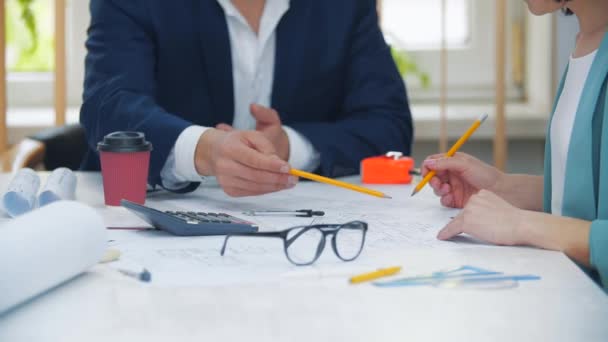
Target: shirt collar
272, 8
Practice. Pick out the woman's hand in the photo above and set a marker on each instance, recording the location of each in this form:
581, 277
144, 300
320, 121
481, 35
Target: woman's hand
460, 177
487, 217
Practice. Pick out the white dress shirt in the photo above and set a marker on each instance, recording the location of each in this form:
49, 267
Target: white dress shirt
562, 124
253, 57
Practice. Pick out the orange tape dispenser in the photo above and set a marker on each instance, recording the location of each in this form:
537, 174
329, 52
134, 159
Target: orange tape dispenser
391, 168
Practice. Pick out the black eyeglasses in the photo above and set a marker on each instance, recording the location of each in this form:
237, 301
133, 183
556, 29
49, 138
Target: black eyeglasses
303, 245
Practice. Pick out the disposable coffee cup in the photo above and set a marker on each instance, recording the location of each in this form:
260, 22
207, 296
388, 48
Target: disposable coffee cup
125, 158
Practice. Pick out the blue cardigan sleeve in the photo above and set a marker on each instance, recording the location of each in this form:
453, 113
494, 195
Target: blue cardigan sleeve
119, 82
375, 117
598, 249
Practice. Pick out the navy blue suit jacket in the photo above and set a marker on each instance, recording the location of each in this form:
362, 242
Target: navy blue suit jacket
159, 66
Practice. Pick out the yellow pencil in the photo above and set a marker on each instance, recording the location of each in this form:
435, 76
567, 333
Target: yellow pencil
383, 272
453, 150
312, 176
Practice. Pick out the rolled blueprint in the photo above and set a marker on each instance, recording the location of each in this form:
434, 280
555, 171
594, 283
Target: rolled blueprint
61, 185
20, 197
47, 247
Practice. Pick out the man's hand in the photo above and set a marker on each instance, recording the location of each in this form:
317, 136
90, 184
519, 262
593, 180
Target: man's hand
268, 123
244, 162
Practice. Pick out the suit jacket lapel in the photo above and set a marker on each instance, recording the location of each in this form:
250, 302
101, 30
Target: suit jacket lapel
217, 59
289, 55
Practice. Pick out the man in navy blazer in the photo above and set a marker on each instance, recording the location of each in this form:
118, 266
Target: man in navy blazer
244, 90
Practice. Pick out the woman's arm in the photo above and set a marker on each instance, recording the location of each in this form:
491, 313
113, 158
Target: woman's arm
523, 191
491, 218
558, 233
462, 176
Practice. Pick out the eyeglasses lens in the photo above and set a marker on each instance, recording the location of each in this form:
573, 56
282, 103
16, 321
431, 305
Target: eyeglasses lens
303, 244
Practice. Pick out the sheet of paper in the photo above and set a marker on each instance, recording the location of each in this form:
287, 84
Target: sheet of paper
118, 217
192, 261
61, 185
403, 223
20, 197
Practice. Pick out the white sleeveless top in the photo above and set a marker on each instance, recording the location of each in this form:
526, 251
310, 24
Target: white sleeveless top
562, 123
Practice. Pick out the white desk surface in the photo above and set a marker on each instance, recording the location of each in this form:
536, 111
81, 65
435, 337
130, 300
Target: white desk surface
102, 305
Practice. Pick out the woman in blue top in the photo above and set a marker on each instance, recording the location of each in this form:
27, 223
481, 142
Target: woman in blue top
567, 209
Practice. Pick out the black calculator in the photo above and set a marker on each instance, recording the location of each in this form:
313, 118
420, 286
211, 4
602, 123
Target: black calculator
191, 223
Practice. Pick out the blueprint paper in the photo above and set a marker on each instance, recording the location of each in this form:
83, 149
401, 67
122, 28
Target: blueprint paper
401, 224
20, 197
61, 185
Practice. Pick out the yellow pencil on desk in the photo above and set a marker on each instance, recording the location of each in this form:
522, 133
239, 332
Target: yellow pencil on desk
452, 151
321, 179
383, 272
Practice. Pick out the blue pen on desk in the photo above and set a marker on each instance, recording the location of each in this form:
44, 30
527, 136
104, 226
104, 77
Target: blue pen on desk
113, 255
143, 275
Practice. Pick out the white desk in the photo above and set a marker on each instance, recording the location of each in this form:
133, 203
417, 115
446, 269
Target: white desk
102, 305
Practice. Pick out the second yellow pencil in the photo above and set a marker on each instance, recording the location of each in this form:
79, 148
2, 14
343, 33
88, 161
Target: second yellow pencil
453, 150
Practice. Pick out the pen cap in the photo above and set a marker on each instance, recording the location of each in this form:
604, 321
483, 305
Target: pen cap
387, 170
125, 159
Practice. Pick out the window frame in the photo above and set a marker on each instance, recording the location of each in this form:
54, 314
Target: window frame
471, 68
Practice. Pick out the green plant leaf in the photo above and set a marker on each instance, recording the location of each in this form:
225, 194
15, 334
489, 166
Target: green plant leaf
27, 15
407, 66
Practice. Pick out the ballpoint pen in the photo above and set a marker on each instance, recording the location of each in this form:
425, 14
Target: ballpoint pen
113, 255
298, 213
144, 275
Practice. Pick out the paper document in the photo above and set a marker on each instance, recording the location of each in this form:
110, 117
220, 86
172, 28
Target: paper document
20, 196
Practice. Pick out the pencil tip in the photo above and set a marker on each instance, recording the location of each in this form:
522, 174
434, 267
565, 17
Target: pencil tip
387, 196
414, 193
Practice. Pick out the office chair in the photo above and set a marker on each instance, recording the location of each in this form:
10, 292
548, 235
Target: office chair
49, 149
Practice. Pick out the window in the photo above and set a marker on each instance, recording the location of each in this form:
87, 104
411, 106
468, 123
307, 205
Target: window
29, 36
32, 73
415, 27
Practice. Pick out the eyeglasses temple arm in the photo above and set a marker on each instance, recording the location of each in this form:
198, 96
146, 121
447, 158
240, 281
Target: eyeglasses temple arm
256, 234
